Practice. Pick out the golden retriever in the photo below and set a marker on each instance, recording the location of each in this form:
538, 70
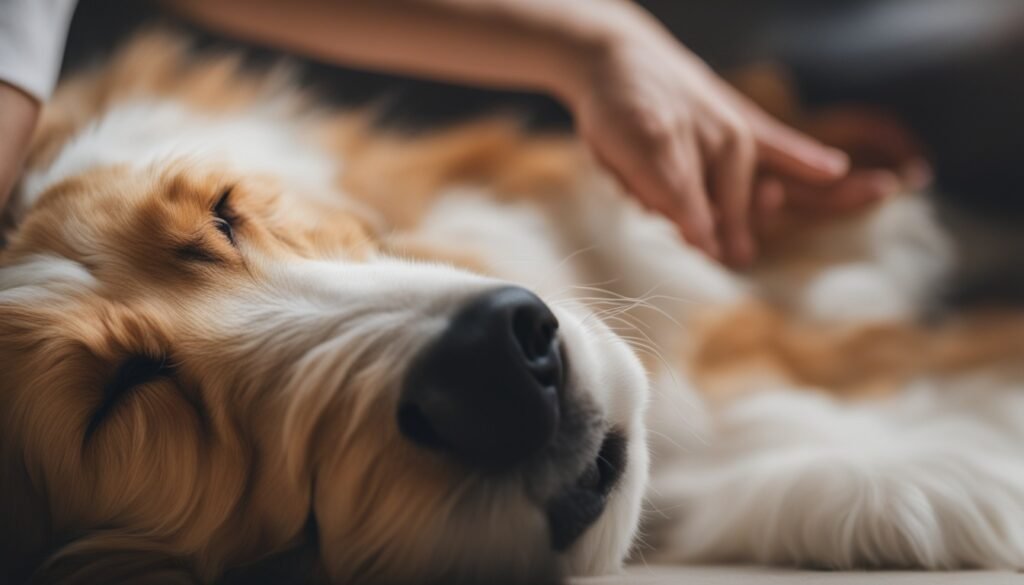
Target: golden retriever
244, 338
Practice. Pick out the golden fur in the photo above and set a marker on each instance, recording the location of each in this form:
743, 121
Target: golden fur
239, 483
155, 258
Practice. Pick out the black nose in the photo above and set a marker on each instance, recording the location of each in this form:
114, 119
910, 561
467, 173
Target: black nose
487, 390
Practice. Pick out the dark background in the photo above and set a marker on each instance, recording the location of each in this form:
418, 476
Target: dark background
952, 70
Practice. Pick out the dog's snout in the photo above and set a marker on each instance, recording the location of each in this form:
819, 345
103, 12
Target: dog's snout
488, 389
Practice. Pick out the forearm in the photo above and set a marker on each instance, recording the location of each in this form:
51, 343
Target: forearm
18, 114
541, 45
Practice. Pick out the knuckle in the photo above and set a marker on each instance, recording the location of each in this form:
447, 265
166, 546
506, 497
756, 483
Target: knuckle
736, 137
679, 173
683, 119
658, 129
659, 139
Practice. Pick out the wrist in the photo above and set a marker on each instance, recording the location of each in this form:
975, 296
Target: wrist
585, 50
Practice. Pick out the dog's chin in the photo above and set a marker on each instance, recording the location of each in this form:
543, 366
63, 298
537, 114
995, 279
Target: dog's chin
605, 543
579, 505
593, 518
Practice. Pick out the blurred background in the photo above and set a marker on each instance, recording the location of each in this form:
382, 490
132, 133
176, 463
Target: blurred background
949, 73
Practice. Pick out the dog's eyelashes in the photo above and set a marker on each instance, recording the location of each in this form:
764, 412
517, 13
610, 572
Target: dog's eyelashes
225, 220
224, 216
225, 228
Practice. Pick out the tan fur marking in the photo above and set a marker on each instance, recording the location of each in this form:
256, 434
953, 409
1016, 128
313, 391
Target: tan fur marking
412, 248
401, 175
757, 345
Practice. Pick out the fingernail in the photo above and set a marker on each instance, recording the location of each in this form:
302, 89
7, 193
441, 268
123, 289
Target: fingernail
835, 161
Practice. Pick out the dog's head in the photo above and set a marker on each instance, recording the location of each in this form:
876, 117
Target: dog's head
205, 371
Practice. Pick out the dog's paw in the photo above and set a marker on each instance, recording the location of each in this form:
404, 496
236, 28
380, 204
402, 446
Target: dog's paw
803, 486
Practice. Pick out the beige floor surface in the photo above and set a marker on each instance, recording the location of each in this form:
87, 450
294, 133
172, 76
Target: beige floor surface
771, 576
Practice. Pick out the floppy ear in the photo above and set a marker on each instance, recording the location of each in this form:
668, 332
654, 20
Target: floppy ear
31, 551
32, 361
114, 559
24, 511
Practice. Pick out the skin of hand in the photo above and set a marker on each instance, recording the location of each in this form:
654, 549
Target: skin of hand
875, 139
886, 157
680, 139
886, 160
18, 115
690, 146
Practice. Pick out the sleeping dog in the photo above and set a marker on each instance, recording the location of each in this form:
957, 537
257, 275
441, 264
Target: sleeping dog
246, 338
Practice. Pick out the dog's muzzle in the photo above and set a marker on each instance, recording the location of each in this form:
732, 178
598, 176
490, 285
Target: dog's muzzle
488, 390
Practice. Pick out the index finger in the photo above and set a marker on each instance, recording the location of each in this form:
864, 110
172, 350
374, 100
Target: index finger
671, 182
787, 152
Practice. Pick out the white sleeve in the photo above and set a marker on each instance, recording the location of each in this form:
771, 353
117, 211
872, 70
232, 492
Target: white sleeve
32, 37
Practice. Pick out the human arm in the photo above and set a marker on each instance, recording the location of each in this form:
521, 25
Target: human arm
18, 115
679, 138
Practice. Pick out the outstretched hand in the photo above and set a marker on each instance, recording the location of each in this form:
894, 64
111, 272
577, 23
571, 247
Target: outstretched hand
688, 145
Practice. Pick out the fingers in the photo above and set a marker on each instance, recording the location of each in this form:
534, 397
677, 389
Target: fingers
679, 192
770, 195
732, 182
769, 204
670, 182
787, 152
858, 190
872, 137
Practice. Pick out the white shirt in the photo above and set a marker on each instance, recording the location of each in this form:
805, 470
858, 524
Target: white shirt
32, 37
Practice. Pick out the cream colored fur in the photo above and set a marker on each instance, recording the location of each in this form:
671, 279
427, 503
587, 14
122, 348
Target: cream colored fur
293, 350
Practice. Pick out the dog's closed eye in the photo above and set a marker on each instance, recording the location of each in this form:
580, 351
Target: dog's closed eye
225, 220
225, 217
133, 372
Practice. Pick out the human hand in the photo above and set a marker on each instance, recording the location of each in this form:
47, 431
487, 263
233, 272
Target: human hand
685, 143
886, 159
874, 139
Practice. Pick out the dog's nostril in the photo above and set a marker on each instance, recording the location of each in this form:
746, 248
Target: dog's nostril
535, 332
413, 423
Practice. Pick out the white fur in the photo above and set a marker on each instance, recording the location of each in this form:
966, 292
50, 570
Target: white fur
905, 254
305, 326
43, 276
933, 477
265, 139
